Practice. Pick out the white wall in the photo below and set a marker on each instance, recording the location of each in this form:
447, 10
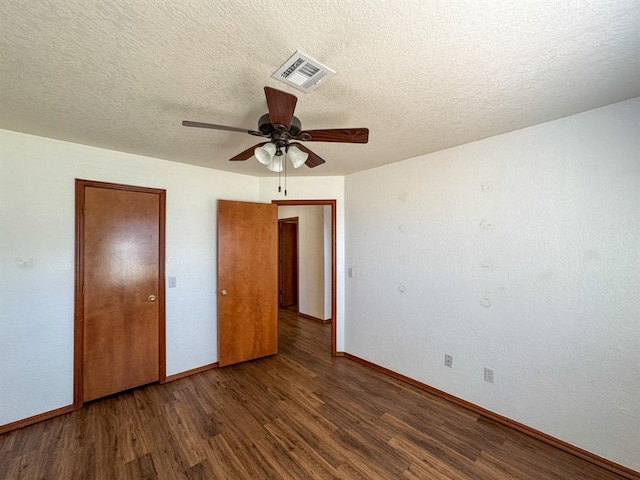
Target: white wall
37, 261
520, 252
318, 188
328, 266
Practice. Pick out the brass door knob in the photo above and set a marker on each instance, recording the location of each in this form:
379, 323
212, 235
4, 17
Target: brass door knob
152, 298
223, 293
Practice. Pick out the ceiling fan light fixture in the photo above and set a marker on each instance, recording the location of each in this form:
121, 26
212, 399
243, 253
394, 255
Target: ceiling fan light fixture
265, 154
276, 164
279, 126
297, 156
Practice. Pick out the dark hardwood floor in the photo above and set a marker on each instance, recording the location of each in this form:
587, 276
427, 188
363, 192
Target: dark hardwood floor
301, 414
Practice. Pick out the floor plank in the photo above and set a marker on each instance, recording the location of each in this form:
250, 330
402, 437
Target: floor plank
301, 414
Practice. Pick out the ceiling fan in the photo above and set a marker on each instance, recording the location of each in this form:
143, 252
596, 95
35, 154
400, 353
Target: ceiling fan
284, 132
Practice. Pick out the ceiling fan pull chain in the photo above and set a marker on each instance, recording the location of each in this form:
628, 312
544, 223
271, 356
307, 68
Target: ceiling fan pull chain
284, 160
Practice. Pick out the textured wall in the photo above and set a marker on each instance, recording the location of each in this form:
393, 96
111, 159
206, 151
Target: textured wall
37, 261
520, 252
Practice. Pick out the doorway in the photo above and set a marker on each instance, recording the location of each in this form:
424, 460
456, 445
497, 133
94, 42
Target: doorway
288, 263
331, 254
119, 326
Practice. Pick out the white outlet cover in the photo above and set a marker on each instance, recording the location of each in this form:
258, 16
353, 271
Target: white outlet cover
488, 375
448, 360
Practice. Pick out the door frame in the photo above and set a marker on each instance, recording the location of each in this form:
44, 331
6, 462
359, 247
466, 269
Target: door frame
334, 257
78, 336
293, 220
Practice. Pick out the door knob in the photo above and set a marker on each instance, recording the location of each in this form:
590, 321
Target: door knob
223, 293
152, 298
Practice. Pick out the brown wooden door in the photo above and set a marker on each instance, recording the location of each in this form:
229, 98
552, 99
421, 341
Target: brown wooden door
288, 237
122, 284
247, 281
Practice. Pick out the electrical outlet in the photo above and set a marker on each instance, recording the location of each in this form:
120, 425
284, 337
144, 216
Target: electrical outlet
488, 375
448, 360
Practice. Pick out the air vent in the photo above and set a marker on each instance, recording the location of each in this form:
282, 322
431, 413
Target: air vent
303, 73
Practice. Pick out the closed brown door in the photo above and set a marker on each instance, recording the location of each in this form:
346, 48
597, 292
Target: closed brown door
122, 284
288, 236
247, 281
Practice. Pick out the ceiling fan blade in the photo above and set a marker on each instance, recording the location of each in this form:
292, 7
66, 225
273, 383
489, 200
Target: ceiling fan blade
343, 135
281, 106
188, 123
247, 154
314, 160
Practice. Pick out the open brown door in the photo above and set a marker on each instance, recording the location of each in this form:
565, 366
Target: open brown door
119, 288
288, 238
247, 281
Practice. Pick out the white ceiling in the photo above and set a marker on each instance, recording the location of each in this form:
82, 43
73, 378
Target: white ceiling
421, 75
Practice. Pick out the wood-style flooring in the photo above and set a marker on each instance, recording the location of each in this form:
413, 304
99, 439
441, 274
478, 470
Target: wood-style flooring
301, 414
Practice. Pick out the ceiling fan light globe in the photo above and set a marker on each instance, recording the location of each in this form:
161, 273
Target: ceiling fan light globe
265, 153
297, 156
276, 164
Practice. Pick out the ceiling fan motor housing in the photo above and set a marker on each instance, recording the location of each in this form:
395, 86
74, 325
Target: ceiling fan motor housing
266, 127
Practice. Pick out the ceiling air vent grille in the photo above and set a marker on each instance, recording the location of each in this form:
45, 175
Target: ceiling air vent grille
303, 72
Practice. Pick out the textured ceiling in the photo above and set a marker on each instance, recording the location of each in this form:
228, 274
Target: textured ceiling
422, 75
